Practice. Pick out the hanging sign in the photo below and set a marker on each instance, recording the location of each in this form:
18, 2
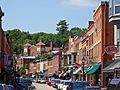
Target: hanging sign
111, 50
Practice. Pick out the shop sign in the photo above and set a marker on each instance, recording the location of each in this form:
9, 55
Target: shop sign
111, 50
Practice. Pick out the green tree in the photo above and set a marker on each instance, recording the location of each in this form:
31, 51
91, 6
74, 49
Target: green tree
62, 27
77, 31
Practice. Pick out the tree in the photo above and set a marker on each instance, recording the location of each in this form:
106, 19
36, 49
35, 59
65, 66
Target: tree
77, 31
62, 27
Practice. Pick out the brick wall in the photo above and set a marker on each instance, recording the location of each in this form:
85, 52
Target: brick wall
53, 64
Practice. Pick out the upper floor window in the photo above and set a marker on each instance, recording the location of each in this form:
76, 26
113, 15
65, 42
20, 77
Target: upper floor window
117, 9
117, 6
25, 50
117, 2
40, 49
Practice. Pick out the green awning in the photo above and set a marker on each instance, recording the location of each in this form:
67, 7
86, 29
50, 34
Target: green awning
71, 72
96, 69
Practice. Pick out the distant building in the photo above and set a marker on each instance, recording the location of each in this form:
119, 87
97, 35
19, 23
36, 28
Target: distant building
32, 51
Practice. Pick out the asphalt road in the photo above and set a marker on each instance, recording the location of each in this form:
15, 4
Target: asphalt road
39, 86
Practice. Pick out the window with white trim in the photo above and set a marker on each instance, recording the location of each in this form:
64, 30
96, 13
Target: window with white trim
25, 50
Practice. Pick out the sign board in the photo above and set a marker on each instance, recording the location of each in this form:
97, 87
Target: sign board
111, 50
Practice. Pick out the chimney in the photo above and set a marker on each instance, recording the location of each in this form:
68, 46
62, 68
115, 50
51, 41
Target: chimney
90, 23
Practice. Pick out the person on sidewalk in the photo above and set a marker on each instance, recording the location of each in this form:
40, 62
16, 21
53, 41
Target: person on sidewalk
91, 83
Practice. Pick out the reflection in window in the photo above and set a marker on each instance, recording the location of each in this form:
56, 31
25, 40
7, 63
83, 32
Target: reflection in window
117, 9
117, 2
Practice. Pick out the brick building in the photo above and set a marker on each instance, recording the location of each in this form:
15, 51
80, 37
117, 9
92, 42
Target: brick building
36, 66
6, 61
99, 36
54, 63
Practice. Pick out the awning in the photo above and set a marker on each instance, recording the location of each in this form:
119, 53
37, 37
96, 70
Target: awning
71, 72
77, 71
112, 66
61, 74
96, 69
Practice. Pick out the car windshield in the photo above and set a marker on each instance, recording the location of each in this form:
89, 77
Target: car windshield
80, 84
93, 89
66, 83
115, 82
56, 81
61, 82
10, 88
24, 80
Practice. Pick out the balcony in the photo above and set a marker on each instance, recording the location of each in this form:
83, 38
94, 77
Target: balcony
114, 11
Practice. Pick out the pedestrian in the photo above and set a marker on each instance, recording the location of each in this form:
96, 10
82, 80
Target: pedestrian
91, 83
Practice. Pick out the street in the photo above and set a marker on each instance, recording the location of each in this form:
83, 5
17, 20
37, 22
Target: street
39, 86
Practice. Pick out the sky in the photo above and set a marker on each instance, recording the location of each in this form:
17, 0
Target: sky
43, 15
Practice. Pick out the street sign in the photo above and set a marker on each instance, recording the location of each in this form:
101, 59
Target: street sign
111, 50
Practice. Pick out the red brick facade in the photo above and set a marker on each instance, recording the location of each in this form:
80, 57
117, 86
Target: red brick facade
5, 54
100, 35
32, 51
53, 64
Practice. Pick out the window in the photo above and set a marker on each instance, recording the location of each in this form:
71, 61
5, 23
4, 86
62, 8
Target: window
117, 9
25, 49
39, 49
42, 49
118, 36
118, 33
117, 2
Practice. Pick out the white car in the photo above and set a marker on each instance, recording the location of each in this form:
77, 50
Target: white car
43, 80
60, 84
65, 85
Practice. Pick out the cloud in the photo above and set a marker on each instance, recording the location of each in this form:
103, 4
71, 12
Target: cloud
80, 3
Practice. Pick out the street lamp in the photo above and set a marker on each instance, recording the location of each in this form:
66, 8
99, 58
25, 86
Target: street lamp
83, 63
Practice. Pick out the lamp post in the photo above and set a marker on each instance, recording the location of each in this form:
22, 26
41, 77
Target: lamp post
83, 63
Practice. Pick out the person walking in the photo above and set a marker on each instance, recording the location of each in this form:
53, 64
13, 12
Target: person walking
91, 83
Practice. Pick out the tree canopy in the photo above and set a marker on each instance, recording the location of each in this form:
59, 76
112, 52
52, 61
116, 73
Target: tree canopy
19, 38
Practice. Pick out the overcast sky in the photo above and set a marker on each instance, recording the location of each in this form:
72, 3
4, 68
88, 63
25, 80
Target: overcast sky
43, 15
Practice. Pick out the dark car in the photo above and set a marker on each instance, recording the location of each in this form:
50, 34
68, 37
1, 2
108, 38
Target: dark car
92, 88
114, 84
78, 85
10, 87
24, 83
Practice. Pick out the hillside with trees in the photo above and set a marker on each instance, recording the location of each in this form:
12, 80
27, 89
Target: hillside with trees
18, 38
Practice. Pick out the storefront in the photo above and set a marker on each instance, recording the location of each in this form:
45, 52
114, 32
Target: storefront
95, 74
112, 71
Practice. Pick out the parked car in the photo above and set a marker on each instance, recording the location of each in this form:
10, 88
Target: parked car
65, 85
92, 88
42, 80
3, 87
10, 87
114, 84
56, 82
77, 85
24, 83
60, 84
51, 82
